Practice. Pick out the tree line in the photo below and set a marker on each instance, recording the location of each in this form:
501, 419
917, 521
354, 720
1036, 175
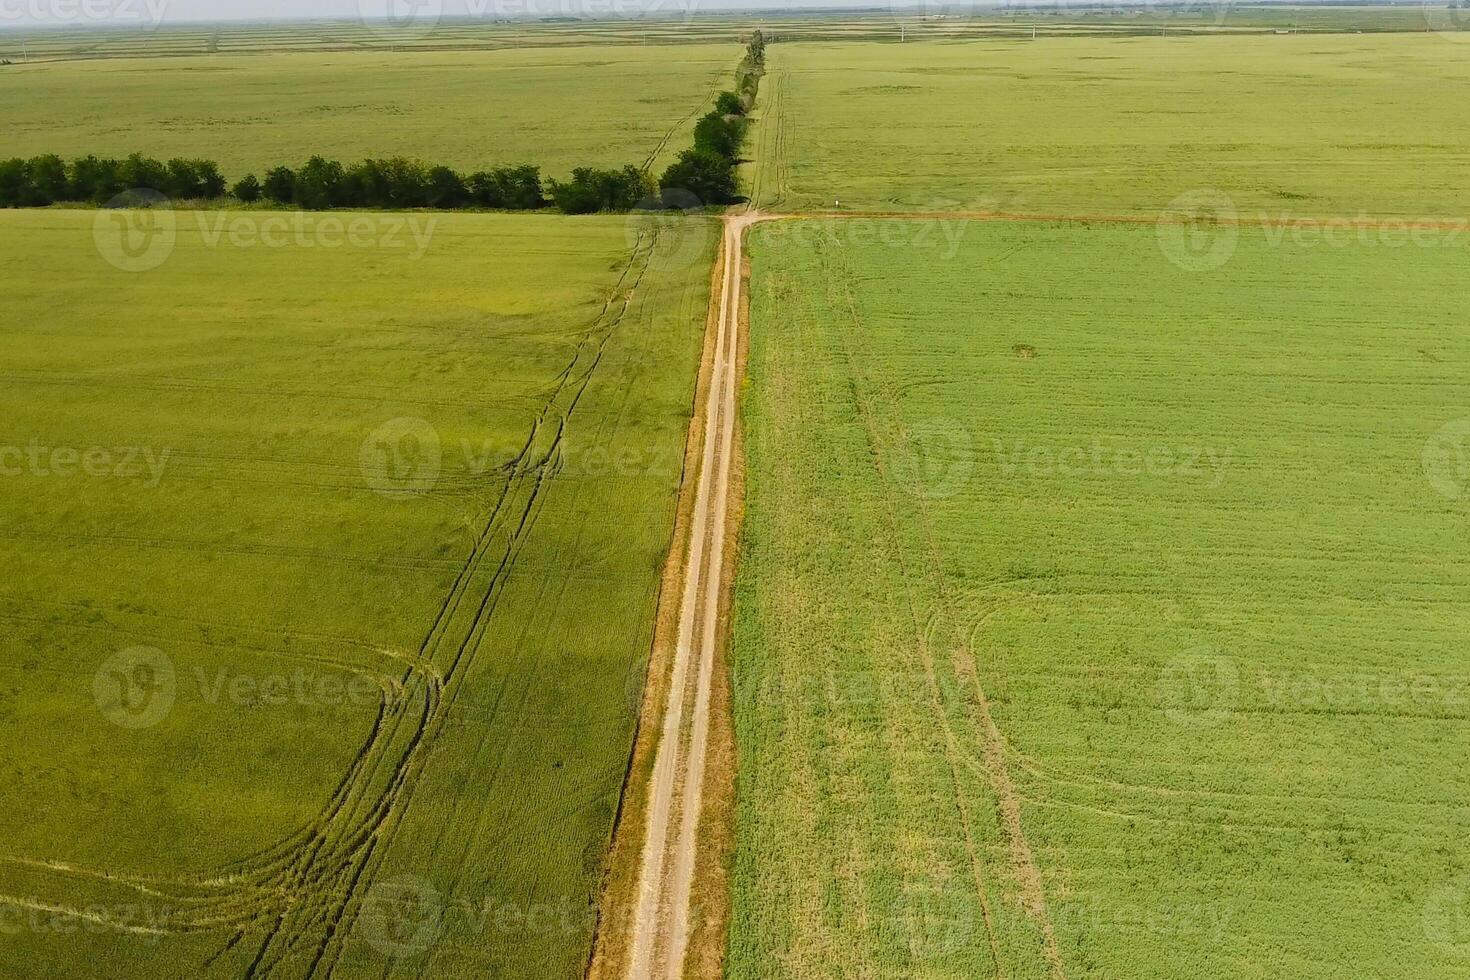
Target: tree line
707, 170
45, 180
703, 174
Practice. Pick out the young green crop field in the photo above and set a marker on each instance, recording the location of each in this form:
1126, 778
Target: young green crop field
1101, 618
332, 547
600, 106
1329, 124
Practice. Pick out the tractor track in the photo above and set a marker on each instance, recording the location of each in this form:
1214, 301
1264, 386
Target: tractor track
297, 900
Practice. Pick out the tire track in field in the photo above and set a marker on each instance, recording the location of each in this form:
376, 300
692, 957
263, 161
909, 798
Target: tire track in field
664, 142
1032, 887
771, 160
993, 747
573, 382
627, 402
540, 460
304, 890
877, 443
782, 158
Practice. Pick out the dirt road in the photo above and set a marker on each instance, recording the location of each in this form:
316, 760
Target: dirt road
662, 924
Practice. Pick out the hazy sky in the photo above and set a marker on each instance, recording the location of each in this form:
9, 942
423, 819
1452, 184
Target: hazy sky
32, 13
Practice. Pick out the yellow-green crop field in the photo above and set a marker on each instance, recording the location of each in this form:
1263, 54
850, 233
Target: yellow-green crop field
1098, 617
417, 30
1330, 124
559, 108
332, 545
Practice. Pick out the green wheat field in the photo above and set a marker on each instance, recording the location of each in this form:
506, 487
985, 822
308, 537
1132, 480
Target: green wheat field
332, 575
1100, 617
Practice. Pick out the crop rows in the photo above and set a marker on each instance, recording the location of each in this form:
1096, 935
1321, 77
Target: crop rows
256, 838
1098, 617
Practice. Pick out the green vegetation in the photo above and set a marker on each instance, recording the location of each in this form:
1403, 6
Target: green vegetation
319, 185
332, 548
1314, 124
322, 185
45, 180
705, 174
592, 106
1083, 593
912, 23
1098, 618
592, 190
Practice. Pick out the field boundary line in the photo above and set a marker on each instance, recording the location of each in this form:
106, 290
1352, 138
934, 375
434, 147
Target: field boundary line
1162, 217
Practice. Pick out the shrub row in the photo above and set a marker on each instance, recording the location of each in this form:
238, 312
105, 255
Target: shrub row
707, 171
703, 174
396, 183
45, 180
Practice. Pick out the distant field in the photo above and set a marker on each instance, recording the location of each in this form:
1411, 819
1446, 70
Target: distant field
558, 107
419, 33
1312, 124
683, 23
331, 571
1094, 605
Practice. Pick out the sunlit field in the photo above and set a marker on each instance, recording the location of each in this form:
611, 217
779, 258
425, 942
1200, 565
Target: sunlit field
558, 108
1102, 615
1320, 125
333, 544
